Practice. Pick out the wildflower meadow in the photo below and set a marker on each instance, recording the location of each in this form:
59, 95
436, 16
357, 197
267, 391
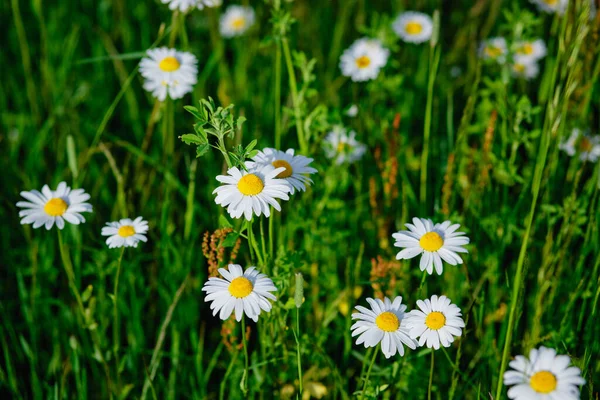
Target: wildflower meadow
294, 199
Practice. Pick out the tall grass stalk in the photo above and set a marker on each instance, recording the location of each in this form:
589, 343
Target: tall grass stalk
296, 101
87, 320
434, 60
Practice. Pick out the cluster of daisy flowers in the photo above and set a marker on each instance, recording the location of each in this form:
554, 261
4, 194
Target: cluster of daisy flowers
172, 73
55, 207
436, 322
523, 55
366, 57
271, 175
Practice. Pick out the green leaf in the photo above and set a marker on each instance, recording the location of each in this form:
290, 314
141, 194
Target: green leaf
190, 138
250, 146
194, 111
240, 122
224, 222
230, 240
202, 149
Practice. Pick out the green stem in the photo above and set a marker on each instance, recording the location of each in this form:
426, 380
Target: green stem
224, 152
253, 245
116, 312
243, 383
278, 97
433, 63
263, 243
298, 352
430, 375
362, 395
295, 99
271, 218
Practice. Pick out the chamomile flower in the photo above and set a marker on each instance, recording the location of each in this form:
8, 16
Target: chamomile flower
530, 50
341, 146
435, 242
50, 207
524, 69
363, 60
125, 232
296, 166
245, 292
251, 192
383, 323
185, 5
352, 111
236, 20
437, 321
588, 147
494, 49
551, 6
169, 72
413, 27
543, 376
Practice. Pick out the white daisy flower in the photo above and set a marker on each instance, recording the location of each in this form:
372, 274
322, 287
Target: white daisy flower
168, 71
125, 232
586, 145
296, 167
185, 5
54, 206
494, 49
524, 69
413, 27
246, 292
543, 376
341, 146
551, 6
530, 50
383, 323
363, 60
352, 111
437, 321
252, 192
436, 242
236, 20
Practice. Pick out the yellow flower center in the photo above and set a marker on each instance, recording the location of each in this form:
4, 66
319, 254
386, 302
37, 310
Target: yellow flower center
527, 49
238, 23
56, 207
413, 28
342, 147
126, 231
520, 68
288, 168
543, 382
387, 321
240, 287
250, 185
435, 320
169, 64
585, 144
431, 241
363, 62
493, 51
551, 2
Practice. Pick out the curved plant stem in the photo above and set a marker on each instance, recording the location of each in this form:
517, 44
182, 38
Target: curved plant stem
430, 375
375, 351
244, 382
116, 312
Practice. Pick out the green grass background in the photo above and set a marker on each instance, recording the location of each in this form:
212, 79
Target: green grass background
73, 109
